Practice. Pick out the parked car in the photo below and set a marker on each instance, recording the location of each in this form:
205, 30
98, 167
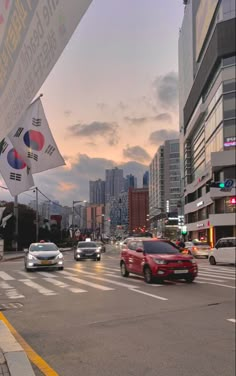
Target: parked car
102, 246
198, 248
224, 251
43, 255
87, 250
157, 259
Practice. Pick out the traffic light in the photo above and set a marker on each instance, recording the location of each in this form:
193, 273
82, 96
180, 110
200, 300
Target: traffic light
232, 200
184, 230
216, 184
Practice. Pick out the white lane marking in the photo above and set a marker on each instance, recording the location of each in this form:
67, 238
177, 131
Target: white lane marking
42, 290
233, 272
92, 275
113, 269
48, 275
94, 285
218, 284
215, 275
210, 279
25, 274
6, 277
232, 320
151, 295
218, 268
63, 285
11, 291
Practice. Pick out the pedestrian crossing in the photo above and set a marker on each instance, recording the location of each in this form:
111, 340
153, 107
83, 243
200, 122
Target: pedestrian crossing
18, 284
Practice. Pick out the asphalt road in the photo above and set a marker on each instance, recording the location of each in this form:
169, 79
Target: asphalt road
88, 320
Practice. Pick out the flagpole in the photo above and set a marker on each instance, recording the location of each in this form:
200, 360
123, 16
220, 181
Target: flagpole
37, 214
16, 215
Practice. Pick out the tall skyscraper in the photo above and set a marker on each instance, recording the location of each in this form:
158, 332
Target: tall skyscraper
114, 183
97, 192
146, 179
130, 181
207, 87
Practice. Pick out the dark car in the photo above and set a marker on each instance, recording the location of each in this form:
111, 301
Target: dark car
157, 259
87, 250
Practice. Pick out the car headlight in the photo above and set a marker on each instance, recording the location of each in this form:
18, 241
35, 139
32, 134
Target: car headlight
98, 250
193, 261
31, 257
78, 250
60, 256
160, 262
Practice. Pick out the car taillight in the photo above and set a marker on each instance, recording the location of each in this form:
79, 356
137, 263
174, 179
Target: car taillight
194, 248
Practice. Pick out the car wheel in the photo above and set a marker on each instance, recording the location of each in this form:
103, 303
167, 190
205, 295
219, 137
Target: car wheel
189, 279
28, 269
212, 260
124, 272
99, 259
61, 268
147, 275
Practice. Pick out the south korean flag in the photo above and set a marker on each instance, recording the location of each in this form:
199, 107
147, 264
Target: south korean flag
13, 169
33, 139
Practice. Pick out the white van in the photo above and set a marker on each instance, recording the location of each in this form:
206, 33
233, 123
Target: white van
224, 251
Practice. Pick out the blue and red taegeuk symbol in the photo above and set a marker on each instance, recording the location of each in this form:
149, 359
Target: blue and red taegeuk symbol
34, 140
15, 160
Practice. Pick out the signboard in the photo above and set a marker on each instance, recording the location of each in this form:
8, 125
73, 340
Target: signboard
229, 142
33, 35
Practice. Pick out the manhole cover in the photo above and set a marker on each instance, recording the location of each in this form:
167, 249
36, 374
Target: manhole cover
5, 306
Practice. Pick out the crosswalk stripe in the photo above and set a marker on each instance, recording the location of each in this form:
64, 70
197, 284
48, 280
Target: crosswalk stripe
48, 275
25, 274
218, 284
215, 275
42, 290
233, 272
210, 279
11, 292
92, 275
83, 282
6, 277
63, 285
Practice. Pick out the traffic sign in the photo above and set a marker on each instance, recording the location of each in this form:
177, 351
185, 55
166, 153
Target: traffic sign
229, 183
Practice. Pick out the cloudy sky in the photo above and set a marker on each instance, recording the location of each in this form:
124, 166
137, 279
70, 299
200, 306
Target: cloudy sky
112, 97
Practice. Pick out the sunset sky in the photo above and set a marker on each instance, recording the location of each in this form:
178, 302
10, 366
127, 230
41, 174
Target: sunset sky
112, 97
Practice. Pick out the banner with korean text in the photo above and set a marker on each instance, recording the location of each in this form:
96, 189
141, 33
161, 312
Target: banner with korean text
33, 35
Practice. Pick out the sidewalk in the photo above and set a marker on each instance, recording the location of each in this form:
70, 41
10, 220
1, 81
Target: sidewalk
13, 360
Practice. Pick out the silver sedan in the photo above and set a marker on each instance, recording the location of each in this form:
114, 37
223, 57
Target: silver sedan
43, 255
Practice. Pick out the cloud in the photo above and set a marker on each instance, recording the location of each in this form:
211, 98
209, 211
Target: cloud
136, 121
165, 117
137, 153
166, 89
75, 181
107, 131
102, 106
161, 135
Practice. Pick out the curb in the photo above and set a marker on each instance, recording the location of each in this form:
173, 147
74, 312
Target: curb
13, 356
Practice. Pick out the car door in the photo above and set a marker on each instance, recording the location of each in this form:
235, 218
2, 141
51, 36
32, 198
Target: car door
220, 254
229, 251
131, 247
138, 257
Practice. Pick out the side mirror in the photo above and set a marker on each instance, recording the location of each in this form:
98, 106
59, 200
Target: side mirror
139, 250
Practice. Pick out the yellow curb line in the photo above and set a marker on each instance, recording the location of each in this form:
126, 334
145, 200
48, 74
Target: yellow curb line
32, 355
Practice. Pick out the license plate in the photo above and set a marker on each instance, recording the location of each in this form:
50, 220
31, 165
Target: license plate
45, 262
181, 271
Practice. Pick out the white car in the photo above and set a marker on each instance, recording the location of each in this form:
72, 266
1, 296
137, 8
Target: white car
224, 251
198, 248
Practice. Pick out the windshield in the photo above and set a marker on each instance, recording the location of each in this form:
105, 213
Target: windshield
161, 248
43, 247
87, 245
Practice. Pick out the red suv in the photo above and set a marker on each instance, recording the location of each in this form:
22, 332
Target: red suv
159, 259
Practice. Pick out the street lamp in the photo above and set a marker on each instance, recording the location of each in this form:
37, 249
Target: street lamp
73, 214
